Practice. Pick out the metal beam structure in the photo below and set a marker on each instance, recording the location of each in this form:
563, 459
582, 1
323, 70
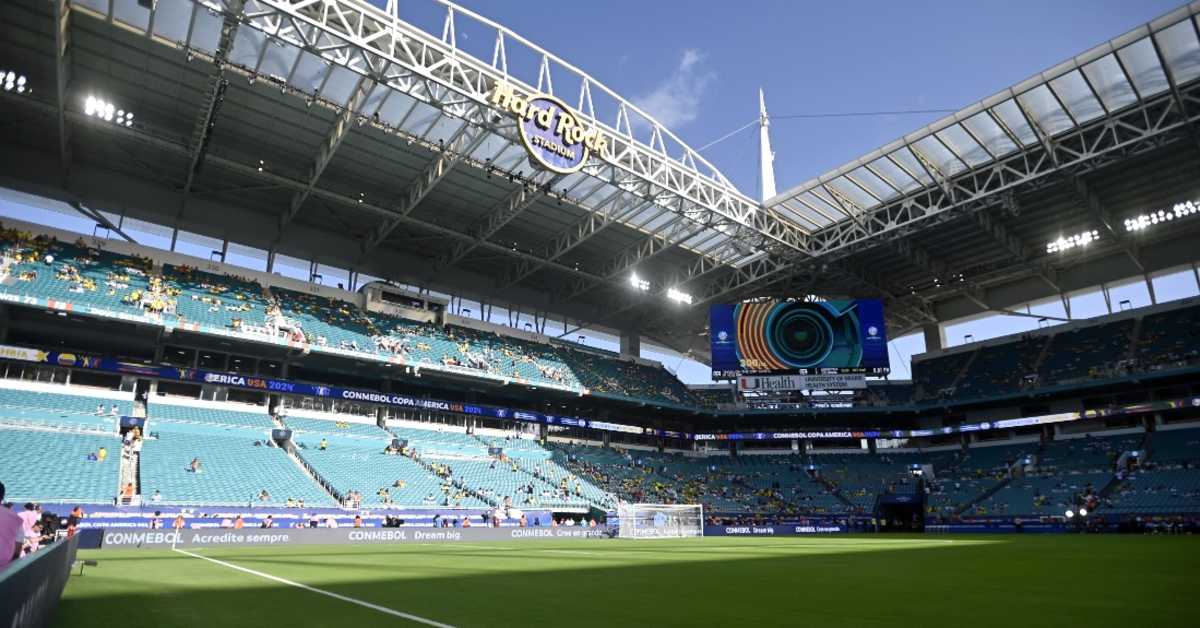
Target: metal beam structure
355, 34
337, 133
525, 195
467, 139
1088, 198
1013, 245
628, 259
1062, 120
214, 96
608, 212
62, 78
429, 138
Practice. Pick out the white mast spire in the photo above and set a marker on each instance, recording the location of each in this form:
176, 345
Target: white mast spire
766, 158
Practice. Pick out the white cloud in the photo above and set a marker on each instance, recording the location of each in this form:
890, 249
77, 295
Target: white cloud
676, 100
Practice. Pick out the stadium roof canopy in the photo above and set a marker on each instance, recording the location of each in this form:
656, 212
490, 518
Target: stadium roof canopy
956, 217
331, 130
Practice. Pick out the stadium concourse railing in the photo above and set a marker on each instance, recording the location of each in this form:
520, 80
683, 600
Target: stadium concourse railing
31, 587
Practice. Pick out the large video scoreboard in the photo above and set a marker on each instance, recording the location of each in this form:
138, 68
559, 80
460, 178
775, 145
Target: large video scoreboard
798, 338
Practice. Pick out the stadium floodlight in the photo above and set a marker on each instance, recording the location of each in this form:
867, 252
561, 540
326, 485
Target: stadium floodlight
1142, 222
13, 82
679, 296
107, 111
659, 521
1083, 512
1070, 513
1080, 239
638, 282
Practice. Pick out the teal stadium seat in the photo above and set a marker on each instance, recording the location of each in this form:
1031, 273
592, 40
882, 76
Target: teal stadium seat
160, 413
45, 466
235, 470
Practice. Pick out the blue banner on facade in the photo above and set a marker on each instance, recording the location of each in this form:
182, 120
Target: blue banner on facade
266, 384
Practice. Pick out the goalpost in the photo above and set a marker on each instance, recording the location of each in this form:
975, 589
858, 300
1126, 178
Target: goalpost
660, 521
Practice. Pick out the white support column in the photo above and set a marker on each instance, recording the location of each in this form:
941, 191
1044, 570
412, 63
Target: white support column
766, 157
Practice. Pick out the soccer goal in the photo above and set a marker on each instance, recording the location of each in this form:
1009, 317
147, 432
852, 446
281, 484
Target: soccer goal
660, 521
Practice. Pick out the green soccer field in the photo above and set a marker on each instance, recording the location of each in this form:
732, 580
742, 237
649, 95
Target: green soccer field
1015, 581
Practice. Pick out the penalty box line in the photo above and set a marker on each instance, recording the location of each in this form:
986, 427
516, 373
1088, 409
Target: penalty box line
336, 596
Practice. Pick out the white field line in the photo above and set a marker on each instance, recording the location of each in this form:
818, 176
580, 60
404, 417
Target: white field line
336, 596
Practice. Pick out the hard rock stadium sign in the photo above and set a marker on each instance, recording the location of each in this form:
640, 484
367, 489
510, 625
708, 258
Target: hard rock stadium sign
554, 136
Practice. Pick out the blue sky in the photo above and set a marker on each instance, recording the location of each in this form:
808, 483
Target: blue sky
698, 65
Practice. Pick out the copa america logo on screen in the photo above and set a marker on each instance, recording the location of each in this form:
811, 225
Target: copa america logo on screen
555, 137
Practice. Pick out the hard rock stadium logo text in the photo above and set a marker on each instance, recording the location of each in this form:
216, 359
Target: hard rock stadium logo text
553, 134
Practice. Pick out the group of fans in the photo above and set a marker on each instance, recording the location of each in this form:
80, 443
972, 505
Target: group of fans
26, 528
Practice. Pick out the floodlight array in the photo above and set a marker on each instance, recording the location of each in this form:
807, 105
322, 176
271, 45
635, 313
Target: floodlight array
104, 110
1145, 221
14, 82
679, 296
1066, 243
638, 283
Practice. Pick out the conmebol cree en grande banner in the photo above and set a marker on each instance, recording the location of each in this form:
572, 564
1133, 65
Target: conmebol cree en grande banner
798, 337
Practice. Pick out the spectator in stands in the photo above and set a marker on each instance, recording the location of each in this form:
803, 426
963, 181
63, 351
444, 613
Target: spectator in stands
100, 410
127, 493
264, 496
115, 410
101, 454
29, 520
195, 466
156, 497
11, 533
324, 444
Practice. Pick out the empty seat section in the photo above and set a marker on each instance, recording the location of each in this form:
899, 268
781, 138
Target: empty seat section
1086, 352
334, 427
233, 469
250, 417
39, 465
38, 408
358, 465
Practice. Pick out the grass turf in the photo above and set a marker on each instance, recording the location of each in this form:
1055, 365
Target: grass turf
881, 581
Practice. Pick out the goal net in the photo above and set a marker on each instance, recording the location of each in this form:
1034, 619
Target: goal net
660, 521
